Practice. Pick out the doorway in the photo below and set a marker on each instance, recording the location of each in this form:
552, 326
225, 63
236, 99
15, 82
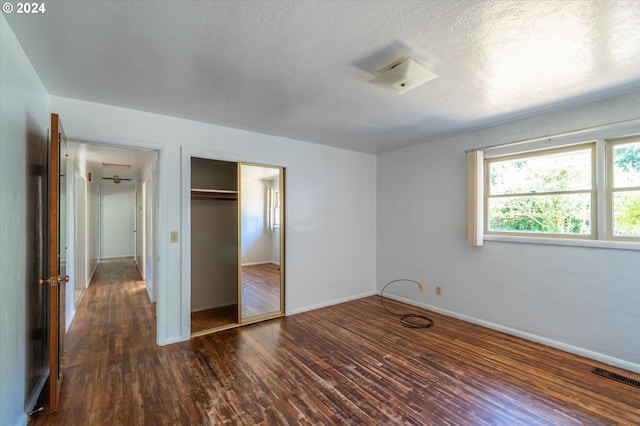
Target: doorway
236, 244
113, 208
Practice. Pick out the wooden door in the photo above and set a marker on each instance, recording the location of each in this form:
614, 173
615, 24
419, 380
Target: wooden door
57, 261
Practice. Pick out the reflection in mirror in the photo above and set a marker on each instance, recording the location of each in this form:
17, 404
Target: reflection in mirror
260, 235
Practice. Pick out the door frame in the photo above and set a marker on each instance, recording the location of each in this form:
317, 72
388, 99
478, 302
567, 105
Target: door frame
185, 190
242, 320
160, 197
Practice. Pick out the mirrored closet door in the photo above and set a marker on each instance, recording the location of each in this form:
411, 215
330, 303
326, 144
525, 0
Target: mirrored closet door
237, 253
261, 234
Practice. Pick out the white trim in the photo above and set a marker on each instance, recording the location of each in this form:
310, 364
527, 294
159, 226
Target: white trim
596, 356
331, 302
593, 190
185, 266
33, 398
607, 244
610, 188
173, 339
601, 190
266, 262
92, 273
162, 244
619, 125
476, 198
186, 154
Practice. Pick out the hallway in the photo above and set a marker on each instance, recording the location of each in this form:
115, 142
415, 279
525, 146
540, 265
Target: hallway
111, 354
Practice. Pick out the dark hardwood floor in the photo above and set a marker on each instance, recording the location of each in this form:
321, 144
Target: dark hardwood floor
347, 364
260, 295
260, 289
214, 317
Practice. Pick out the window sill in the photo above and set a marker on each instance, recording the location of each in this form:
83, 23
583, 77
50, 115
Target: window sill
618, 245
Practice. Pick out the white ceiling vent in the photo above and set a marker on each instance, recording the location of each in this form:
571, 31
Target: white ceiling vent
403, 75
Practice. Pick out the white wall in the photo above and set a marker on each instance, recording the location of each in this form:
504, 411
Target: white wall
214, 254
275, 233
330, 254
581, 299
93, 228
256, 244
151, 214
140, 228
69, 216
117, 220
24, 114
81, 230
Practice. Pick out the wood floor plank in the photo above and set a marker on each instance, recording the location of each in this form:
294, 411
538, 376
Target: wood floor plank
260, 289
351, 363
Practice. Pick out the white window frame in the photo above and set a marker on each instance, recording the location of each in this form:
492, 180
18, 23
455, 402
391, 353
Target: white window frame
476, 228
274, 212
611, 189
590, 145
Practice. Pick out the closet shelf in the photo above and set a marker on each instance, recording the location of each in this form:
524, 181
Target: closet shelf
213, 194
216, 191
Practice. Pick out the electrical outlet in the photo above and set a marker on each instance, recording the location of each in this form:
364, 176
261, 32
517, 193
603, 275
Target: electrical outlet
438, 290
174, 236
421, 287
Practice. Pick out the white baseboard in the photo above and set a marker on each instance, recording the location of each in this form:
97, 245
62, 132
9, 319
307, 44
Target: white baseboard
172, 340
266, 262
33, 398
596, 356
331, 302
147, 290
130, 257
69, 318
140, 270
90, 277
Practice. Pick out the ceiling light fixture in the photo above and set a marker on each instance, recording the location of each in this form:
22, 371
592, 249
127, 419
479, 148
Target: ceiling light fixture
116, 166
403, 75
116, 179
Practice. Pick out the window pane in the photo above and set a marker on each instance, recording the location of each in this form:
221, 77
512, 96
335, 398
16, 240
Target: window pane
626, 165
626, 212
555, 214
560, 171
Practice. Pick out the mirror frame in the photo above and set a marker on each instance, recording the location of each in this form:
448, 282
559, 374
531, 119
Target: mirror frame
281, 181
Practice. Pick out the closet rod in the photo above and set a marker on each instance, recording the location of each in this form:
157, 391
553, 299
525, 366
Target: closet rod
213, 197
213, 194
555, 135
214, 191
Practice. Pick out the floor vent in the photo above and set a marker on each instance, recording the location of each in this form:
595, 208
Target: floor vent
616, 377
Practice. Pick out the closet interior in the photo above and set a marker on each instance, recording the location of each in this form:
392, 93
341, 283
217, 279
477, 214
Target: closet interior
237, 234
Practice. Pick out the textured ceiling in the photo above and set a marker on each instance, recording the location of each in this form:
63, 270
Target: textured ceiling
302, 69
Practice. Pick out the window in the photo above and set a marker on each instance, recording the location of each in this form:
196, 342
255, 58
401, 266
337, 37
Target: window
549, 192
274, 208
623, 190
583, 191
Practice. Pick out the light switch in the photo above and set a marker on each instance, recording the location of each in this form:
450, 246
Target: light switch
174, 236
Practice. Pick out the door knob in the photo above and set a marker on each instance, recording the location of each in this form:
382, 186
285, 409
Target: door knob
54, 280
